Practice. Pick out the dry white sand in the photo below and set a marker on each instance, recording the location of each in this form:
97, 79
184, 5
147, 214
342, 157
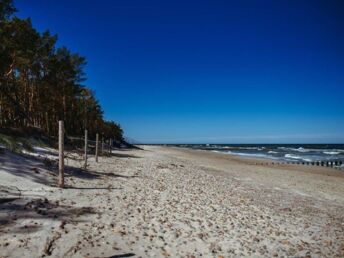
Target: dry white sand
161, 202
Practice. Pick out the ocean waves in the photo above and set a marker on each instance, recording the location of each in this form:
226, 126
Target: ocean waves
291, 152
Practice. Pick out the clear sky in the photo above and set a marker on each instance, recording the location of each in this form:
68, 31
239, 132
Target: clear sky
214, 71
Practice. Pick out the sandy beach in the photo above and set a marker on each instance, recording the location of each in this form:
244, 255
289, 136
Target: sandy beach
168, 202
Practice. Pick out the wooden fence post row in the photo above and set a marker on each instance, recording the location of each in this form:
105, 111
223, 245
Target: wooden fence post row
61, 151
61, 154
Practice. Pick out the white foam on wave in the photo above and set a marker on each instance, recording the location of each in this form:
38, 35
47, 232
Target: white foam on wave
308, 160
331, 152
291, 156
224, 147
271, 152
300, 149
253, 155
325, 151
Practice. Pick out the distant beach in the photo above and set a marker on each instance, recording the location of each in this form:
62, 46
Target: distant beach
170, 202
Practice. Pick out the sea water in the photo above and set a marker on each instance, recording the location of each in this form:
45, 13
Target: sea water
283, 152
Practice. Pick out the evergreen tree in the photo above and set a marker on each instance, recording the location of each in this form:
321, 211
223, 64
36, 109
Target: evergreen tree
41, 84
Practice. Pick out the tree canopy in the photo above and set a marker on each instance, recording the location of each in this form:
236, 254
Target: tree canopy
41, 83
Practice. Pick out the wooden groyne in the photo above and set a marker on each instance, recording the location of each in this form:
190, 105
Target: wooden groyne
337, 164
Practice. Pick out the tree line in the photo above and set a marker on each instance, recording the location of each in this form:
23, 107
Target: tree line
41, 83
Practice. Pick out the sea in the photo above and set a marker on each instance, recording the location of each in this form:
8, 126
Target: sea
281, 152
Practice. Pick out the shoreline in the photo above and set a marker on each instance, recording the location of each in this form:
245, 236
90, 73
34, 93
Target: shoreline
314, 178
171, 202
257, 161
265, 157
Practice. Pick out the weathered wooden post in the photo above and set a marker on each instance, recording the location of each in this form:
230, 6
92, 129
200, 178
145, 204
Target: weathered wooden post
102, 146
110, 146
85, 154
61, 154
97, 139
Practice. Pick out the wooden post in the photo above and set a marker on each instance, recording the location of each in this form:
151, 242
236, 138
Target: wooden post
61, 154
97, 139
102, 146
85, 155
110, 146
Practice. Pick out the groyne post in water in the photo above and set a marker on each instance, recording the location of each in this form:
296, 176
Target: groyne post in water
333, 164
61, 154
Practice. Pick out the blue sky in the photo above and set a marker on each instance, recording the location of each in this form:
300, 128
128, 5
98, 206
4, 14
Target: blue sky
209, 71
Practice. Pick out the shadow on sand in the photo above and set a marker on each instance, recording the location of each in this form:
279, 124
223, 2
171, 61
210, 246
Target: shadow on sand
122, 255
91, 188
37, 170
124, 155
38, 209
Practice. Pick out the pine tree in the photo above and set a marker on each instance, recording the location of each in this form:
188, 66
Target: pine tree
41, 84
